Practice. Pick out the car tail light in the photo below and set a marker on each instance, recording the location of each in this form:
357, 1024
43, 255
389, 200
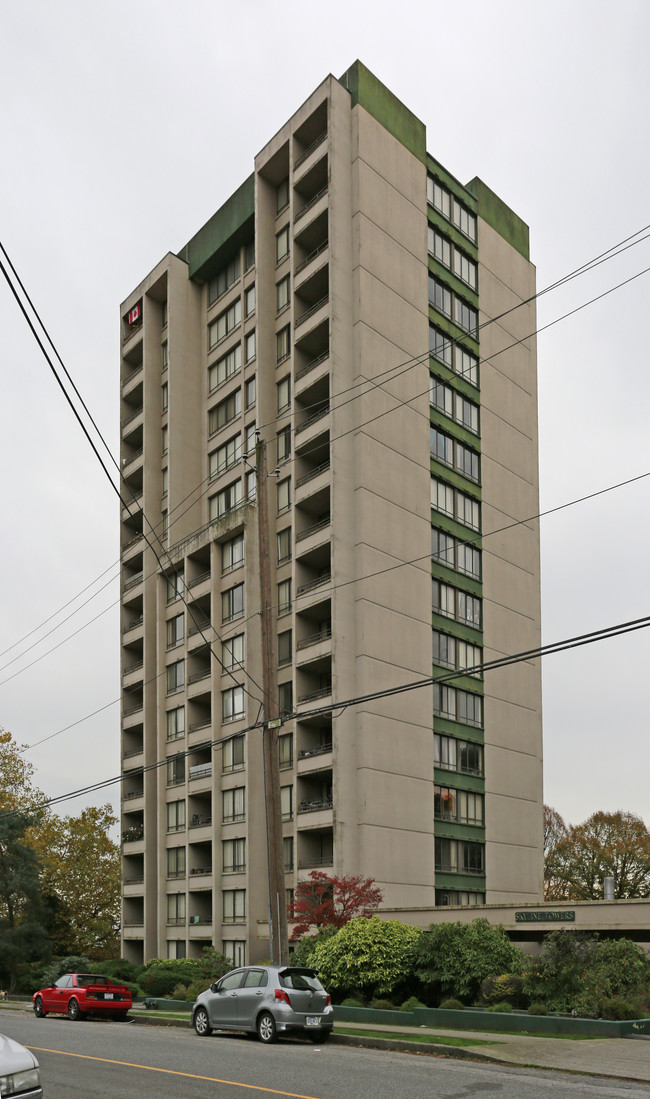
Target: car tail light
328, 1000
280, 994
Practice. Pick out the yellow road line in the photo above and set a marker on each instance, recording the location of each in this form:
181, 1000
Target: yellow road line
174, 1072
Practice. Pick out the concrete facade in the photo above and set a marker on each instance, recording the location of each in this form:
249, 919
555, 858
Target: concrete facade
332, 304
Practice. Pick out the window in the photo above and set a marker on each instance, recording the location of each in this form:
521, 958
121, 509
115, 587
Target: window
282, 195
459, 705
284, 495
232, 603
454, 406
164, 313
285, 750
466, 365
284, 443
249, 259
469, 609
251, 485
234, 905
175, 630
232, 652
224, 368
468, 511
164, 355
457, 805
285, 698
165, 439
234, 855
234, 950
249, 301
284, 394
232, 703
251, 439
458, 897
464, 220
286, 802
224, 412
225, 323
291, 903
251, 346
226, 456
467, 462
466, 413
283, 343
439, 296
176, 723
176, 862
442, 497
465, 268
225, 501
232, 754
459, 856
451, 754
282, 244
442, 447
233, 804
175, 676
439, 197
232, 554
453, 652
282, 294
176, 908
284, 545
223, 281
164, 397
284, 597
251, 392
469, 560
470, 708
441, 397
174, 586
165, 523
176, 770
175, 816
287, 851
444, 803
285, 648
164, 481
457, 604
440, 247
440, 346
443, 548
469, 657
466, 317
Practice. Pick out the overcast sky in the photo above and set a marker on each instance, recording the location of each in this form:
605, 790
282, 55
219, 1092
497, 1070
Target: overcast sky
126, 125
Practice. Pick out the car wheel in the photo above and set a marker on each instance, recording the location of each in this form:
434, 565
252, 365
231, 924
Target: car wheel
38, 1008
74, 1011
266, 1028
319, 1037
202, 1023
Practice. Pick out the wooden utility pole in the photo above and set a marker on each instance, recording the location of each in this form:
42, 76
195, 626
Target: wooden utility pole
277, 895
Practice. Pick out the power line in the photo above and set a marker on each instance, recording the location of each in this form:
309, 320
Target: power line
577, 641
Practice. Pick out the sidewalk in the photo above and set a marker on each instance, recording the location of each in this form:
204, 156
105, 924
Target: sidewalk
624, 1058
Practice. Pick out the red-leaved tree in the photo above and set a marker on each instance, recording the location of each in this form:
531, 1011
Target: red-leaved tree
329, 900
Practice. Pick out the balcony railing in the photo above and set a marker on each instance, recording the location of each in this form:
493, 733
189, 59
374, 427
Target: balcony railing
134, 581
315, 472
200, 625
204, 723
312, 364
132, 416
314, 638
133, 794
313, 418
324, 579
310, 148
198, 579
311, 863
322, 524
201, 770
323, 692
133, 710
133, 623
322, 749
196, 676
132, 457
312, 255
133, 752
312, 202
198, 821
198, 870
312, 309
132, 835
133, 667
313, 806
447, 868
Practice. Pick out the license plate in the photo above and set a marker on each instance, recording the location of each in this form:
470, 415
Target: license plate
313, 1020
108, 995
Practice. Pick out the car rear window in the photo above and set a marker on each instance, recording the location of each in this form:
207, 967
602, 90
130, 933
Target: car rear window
303, 980
85, 979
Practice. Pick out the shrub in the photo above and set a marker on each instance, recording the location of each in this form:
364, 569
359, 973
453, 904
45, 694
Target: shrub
507, 986
453, 959
577, 971
383, 1005
118, 969
452, 1005
616, 1007
352, 1001
162, 975
195, 989
371, 956
72, 964
504, 1007
306, 946
411, 1004
537, 1009
179, 992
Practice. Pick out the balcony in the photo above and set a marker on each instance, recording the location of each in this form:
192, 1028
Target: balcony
310, 186
315, 144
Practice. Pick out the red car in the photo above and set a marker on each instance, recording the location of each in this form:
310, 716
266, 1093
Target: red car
79, 994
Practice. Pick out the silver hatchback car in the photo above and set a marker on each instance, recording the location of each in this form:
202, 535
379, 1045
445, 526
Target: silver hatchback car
268, 1001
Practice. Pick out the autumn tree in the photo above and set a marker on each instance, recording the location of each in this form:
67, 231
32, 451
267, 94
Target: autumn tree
555, 830
332, 901
606, 845
16, 787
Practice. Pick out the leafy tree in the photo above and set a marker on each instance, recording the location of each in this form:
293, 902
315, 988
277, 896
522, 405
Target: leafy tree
555, 830
370, 955
23, 937
453, 959
81, 869
581, 972
607, 845
16, 788
332, 901
305, 947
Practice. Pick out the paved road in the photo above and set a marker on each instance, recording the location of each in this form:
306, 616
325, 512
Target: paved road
96, 1060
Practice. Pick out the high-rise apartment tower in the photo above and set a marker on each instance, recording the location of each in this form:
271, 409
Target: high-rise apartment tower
372, 319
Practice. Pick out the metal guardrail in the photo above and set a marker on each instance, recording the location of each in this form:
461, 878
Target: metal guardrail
133, 752
128, 419
308, 205
447, 868
312, 364
313, 418
312, 473
313, 309
199, 579
309, 150
132, 710
312, 864
321, 750
322, 524
133, 582
314, 638
133, 668
195, 677
314, 806
325, 579
312, 255
322, 693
